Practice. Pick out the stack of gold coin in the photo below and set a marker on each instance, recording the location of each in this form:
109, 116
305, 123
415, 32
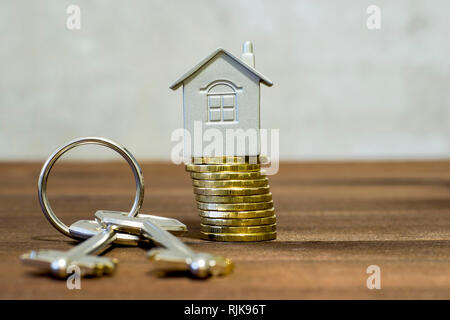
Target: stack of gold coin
234, 199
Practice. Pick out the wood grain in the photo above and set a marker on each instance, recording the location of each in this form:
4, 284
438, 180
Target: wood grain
334, 220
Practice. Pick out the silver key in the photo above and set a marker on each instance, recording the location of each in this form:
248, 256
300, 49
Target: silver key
176, 255
84, 229
57, 262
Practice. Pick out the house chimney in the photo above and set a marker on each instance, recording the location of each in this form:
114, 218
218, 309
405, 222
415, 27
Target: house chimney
247, 54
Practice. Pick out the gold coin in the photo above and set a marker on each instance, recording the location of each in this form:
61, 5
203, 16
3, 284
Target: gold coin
231, 191
223, 167
235, 199
224, 175
238, 222
227, 229
239, 236
255, 183
235, 206
237, 214
225, 159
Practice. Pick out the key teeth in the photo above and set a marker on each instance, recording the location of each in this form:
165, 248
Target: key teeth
205, 265
104, 269
111, 268
202, 265
224, 267
101, 268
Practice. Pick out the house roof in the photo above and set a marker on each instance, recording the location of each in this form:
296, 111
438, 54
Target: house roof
179, 82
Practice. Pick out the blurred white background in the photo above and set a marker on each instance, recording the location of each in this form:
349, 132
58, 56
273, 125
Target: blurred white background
340, 91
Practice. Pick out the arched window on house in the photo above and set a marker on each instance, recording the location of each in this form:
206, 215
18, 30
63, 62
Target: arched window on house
221, 99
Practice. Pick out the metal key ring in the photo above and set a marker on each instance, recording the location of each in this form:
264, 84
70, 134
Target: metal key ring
43, 177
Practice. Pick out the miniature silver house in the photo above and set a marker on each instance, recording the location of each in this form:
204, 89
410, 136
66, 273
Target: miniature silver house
222, 92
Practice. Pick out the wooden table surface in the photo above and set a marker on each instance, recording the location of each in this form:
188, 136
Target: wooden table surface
334, 220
